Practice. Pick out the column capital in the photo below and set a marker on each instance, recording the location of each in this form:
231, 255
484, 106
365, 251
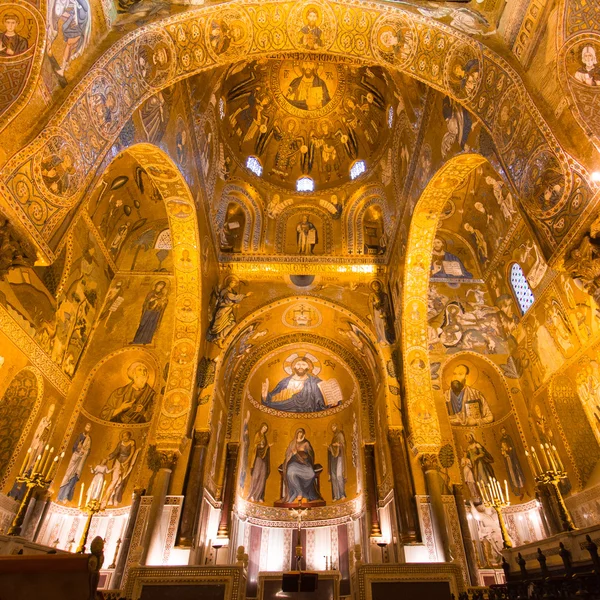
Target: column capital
429, 461
201, 438
395, 434
162, 458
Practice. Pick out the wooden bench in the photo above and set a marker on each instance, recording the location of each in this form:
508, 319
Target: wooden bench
49, 576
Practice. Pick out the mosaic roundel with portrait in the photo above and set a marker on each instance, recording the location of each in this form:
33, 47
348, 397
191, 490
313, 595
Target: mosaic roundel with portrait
311, 26
306, 88
301, 382
59, 168
582, 63
545, 187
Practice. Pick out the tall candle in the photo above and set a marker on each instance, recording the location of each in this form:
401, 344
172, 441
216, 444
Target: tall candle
102, 492
480, 490
498, 489
491, 493
486, 496
44, 457
553, 464
81, 495
506, 489
545, 457
52, 470
47, 463
36, 463
25, 462
536, 460
560, 463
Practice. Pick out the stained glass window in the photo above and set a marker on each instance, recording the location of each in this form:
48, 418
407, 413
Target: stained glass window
305, 184
254, 165
521, 288
390, 116
221, 108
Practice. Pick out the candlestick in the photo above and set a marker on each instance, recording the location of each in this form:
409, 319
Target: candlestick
480, 490
25, 462
102, 492
81, 495
560, 463
545, 457
47, 463
36, 463
553, 464
536, 460
44, 457
506, 489
498, 490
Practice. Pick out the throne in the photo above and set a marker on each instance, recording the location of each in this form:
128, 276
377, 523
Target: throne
281, 503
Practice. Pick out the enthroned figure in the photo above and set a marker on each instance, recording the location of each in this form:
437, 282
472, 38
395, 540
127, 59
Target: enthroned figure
300, 475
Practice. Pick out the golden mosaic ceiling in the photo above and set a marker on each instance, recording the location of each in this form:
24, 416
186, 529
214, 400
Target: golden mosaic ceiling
302, 117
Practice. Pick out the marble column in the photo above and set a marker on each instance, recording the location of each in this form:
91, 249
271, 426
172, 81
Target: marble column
459, 498
166, 459
228, 496
433, 482
115, 582
193, 491
406, 509
371, 485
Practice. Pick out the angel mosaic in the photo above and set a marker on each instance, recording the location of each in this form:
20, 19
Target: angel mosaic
223, 314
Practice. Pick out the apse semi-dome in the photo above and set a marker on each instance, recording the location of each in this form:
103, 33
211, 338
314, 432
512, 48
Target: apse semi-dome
305, 118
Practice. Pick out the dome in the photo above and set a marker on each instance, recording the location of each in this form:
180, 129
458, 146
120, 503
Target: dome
305, 118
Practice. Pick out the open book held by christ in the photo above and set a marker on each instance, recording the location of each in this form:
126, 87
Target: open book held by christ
332, 392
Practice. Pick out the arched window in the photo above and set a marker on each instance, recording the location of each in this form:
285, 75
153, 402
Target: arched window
305, 184
521, 288
163, 241
254, 165
357, 169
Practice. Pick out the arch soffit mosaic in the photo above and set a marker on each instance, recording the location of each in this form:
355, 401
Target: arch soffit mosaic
177, 47
171, 425
420, 404
23, 69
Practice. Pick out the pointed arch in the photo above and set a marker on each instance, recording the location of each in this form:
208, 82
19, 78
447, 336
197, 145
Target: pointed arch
423, 420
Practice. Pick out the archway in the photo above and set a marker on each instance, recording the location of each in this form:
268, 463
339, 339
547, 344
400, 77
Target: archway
177, 402
82, 139
420, 405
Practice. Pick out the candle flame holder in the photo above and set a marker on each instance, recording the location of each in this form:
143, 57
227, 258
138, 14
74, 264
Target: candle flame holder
40, 475
92, 507
553, 472
492, 496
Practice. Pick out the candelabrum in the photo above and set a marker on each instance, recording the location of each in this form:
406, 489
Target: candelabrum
92, 507
493, 496
552, 472
37, 475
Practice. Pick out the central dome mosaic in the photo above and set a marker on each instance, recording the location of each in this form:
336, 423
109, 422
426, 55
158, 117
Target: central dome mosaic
306, 118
